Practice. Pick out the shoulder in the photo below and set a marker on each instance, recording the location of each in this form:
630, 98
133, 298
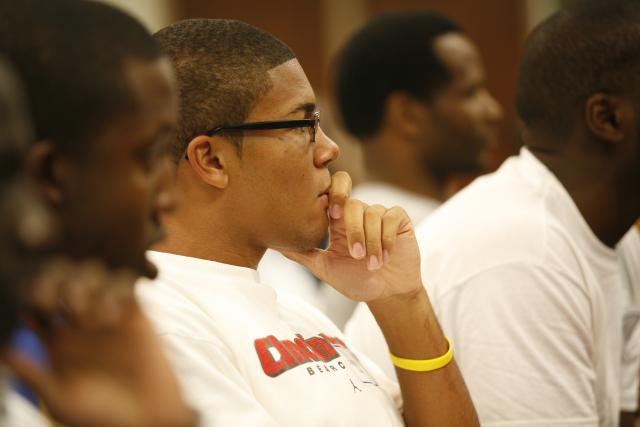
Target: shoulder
174, 312
499, 220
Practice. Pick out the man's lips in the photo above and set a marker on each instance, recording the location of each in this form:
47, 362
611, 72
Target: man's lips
325, 192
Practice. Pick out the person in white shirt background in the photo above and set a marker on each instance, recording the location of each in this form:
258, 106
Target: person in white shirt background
253, 174
410, 86
521, 265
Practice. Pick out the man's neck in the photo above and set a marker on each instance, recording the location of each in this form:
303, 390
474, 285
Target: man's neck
400, 171
220, 244
595, 187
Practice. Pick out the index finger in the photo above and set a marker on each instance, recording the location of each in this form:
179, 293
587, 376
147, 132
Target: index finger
339, 193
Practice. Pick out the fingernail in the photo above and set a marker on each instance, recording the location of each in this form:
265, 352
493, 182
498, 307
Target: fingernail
373, 263
336, 211
385, 256
357, 250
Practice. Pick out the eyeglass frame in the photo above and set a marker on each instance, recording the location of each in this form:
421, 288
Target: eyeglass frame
313, 123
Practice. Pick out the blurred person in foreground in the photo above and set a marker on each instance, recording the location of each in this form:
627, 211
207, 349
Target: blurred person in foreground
103, 102
411, 88
253, 173
521, 264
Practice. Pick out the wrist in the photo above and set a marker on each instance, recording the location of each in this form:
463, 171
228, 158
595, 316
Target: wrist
409, 325
391, 302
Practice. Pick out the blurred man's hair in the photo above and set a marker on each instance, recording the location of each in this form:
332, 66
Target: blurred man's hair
71, 56
393, 52
221, 68
590, 47
15, 133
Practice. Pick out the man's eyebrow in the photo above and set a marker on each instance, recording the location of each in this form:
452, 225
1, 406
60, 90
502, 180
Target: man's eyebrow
308, 108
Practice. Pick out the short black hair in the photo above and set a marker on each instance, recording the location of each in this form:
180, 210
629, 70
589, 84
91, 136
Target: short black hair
393, 52
221, 70
71, 55
588, 47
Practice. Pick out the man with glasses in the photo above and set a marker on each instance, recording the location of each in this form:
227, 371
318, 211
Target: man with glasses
253, 174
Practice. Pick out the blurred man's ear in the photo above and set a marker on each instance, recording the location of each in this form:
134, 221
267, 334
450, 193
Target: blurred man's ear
46, 168
609, 117
208, 157
405, 115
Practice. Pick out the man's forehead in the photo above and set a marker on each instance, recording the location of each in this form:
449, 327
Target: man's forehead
290, 93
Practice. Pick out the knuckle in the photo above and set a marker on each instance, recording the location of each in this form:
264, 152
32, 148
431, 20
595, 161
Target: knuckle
372, 213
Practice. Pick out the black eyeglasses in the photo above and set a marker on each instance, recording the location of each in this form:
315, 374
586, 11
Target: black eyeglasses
311, 123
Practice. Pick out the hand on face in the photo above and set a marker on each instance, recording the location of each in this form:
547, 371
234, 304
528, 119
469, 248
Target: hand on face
372, 252
103, 352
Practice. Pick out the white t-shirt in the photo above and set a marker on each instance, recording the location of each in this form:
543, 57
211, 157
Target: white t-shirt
531, 299
340, 308
288, 276
248, 357
18, 412
629, 251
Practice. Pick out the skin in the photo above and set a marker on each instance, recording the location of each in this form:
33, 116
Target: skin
421, 145
109, 200
373, 254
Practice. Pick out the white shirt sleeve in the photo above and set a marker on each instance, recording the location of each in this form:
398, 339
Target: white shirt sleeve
212, 384
522, 338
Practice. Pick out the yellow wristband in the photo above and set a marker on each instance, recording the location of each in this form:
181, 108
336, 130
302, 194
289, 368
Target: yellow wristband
424, 365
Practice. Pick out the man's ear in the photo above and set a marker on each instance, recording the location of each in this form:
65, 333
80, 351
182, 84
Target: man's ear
209, 157
404, 114
608, 117
46, 168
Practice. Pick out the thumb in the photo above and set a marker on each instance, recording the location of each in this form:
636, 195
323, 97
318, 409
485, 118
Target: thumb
312, 259
36, 377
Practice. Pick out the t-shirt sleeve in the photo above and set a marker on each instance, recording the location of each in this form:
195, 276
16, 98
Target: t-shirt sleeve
522, 340
212, 384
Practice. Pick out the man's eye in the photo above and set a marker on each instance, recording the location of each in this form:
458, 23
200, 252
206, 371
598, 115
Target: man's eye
151, 153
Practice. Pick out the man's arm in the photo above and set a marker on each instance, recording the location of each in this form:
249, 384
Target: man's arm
103, 352
373, 257
412, 331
